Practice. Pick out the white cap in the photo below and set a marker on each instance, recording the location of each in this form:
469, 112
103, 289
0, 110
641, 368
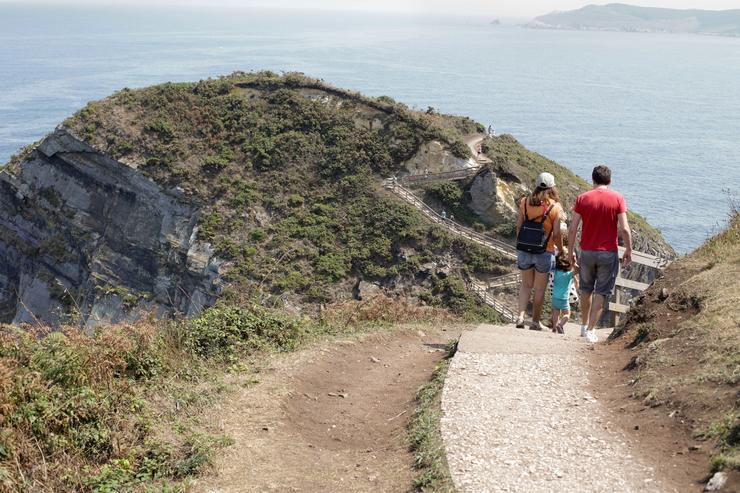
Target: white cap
545, 180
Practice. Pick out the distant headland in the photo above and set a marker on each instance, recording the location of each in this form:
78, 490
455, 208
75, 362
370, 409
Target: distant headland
631, 18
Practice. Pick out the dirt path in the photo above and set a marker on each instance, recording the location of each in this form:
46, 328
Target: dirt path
329, 419
519, 415
473, 141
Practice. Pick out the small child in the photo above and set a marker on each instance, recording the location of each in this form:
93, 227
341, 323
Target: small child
562, 283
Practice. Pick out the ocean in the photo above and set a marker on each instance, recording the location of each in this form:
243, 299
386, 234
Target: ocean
663, 111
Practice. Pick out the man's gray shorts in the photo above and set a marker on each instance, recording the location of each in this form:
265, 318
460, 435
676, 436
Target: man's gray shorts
599, 271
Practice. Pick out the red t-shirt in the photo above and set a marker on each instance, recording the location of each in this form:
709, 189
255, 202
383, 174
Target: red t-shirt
598, 209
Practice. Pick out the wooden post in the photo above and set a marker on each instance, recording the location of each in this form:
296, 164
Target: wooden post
618, 300
617, 295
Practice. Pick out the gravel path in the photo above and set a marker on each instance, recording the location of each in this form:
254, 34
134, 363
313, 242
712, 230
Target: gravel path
518, 417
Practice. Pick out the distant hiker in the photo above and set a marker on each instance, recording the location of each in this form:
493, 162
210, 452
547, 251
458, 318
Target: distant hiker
444, 215
490, 130
537, 233
603, 213
452, 217
426, 172
562, 284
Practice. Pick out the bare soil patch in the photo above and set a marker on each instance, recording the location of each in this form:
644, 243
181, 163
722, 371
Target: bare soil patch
648, 376
330, 418
679, 458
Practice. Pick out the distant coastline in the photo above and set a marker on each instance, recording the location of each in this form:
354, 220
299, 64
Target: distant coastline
631, 18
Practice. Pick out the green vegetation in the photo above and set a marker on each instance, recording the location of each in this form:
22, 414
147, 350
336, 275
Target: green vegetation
118, 410
451, 197
123, 409
426, 438
514, 162
288, 170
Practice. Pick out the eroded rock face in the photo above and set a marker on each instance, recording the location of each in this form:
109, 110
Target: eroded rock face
493, 199
82, 233
436, 158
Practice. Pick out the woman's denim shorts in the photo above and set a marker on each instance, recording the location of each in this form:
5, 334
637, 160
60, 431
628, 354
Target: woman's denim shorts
542, 262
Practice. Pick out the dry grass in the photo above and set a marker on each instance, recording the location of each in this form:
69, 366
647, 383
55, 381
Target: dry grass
383, 309
689, 343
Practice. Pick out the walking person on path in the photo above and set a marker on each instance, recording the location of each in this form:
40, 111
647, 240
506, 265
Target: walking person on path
563, 281
538, 231
603, 215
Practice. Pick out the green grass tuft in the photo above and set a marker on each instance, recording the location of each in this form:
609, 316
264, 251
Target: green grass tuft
430, 461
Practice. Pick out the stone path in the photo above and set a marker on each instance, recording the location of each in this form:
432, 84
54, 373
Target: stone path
518, 416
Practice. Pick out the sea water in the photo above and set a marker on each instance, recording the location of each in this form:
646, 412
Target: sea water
663, 111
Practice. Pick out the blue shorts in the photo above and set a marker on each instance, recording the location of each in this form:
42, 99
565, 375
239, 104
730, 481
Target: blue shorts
560, 303
542, 262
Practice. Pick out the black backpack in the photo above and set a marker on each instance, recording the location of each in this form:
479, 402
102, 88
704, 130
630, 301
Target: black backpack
532, 237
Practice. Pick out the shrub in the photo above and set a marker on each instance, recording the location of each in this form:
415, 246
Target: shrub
306, 163
226, 331
163, 129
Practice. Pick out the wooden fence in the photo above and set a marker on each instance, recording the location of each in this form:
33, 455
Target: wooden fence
617, 307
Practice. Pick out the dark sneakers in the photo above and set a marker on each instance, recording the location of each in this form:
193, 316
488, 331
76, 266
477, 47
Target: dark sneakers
538, 326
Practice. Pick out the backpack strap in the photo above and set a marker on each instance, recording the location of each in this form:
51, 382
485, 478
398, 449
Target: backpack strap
547, 212
544, 215
525, 202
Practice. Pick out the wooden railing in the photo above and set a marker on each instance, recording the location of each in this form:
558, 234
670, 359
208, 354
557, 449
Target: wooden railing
508, 251
506, 280
407, 195
617, 307
481, 290
460, 174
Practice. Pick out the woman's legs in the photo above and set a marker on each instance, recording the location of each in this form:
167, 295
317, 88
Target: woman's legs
525, 290
540, 285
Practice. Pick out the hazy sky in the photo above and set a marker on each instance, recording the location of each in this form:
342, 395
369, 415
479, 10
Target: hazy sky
503, 8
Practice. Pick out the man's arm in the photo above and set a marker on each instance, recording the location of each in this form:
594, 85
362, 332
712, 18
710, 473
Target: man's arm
572, 232
626, 234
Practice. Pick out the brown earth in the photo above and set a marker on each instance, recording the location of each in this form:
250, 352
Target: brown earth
676, 455
669, 422
329, 419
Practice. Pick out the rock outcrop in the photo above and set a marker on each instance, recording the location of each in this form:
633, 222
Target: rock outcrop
83, 234
434, 157
493, 199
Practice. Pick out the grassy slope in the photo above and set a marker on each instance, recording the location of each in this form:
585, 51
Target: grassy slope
122, 410
289, 183
514, 163
689, 344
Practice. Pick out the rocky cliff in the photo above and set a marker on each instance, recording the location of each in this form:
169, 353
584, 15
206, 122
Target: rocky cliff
86, 236
250, 189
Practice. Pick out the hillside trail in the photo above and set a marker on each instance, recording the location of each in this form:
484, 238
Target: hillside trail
473, 141
520, 414
328, 419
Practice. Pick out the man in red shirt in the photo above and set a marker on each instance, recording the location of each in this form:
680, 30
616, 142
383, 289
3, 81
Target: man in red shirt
603, 213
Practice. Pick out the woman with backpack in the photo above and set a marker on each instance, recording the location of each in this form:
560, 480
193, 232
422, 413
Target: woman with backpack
537, 234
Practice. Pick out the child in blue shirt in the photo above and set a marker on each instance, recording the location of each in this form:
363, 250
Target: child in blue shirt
563, 280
